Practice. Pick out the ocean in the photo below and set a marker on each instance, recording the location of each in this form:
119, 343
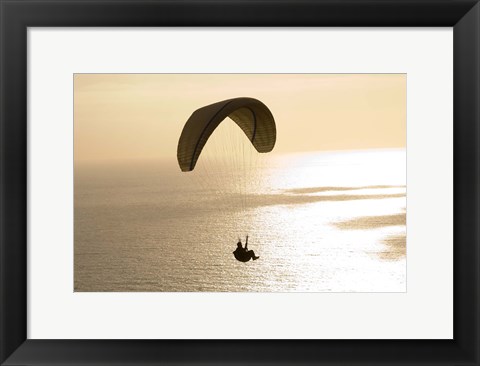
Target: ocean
320, 222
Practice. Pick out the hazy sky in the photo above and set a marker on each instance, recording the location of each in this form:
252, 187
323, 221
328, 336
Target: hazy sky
141, 116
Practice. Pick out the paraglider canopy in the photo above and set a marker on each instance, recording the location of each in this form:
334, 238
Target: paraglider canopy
251, 115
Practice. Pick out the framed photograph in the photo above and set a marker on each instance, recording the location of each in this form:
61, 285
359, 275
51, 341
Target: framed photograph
239, 182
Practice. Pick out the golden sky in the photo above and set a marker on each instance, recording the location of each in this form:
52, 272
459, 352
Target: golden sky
141, 116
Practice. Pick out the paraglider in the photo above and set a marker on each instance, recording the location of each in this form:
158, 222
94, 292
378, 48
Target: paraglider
254, 119
243, 254
251, 115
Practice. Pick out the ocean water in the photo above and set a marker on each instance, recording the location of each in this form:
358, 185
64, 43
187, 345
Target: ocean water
320, 222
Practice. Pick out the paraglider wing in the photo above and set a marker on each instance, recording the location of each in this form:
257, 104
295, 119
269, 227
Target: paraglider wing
251, 115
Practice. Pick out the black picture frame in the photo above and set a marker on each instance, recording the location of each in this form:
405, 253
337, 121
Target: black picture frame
17, 15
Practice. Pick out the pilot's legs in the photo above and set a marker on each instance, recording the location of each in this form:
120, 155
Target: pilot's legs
251, 254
